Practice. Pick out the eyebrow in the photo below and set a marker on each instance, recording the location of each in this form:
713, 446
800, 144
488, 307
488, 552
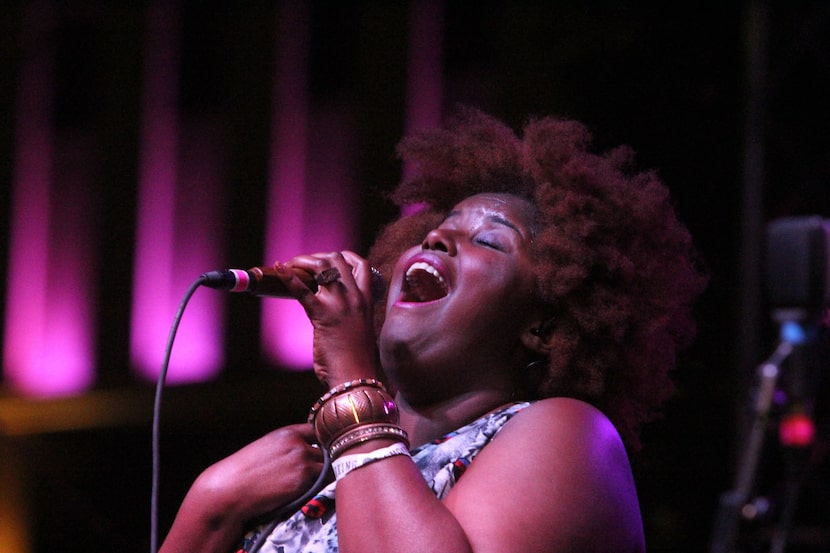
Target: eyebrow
493, 219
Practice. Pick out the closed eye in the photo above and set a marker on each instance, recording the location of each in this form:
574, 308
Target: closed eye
489, 243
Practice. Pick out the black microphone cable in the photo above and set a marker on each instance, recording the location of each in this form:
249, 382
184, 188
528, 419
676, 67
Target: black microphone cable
156, 462
157, 413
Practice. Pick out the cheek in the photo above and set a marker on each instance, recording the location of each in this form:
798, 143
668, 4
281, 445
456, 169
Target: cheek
509, 295
500, 281
493, 298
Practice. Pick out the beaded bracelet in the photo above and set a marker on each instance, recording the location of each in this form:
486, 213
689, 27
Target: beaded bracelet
347, 463
366, 432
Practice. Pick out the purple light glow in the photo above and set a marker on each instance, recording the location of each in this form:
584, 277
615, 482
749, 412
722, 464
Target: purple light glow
174, 246
327, 227
198, 350
424, 86
48, 332
286, 332
49, 337
425, 67
174, 240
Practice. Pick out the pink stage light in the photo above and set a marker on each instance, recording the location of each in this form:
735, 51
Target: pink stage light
49, 323
175, 242
48, 340
286, 332
311, 190
425, 66
327, 226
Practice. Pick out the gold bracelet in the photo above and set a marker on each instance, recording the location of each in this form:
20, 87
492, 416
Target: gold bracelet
366, 432
359, 406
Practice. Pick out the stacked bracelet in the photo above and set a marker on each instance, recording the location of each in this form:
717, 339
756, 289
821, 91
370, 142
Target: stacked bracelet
364, 433
347, 463
355, 412
348, 410
341, 388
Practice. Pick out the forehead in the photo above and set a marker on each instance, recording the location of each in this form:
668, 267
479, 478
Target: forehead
513, 208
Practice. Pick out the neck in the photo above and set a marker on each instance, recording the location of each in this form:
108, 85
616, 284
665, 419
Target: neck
426, 422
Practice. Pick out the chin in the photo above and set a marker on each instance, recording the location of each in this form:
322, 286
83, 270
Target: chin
393, 352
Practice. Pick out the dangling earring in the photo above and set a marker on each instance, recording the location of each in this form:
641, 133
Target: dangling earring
537, 366
536, 372
533, 375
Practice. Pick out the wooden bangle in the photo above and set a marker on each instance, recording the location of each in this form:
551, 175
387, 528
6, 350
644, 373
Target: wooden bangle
341, 388
359, 406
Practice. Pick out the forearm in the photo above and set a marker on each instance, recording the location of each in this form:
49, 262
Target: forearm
227, 496
203, 524
387, 506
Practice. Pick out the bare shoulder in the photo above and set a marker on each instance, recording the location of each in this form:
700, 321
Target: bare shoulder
557, 477
557, 410
562, 437
556, 422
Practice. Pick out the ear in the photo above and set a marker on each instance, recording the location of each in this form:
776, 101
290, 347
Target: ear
537, 336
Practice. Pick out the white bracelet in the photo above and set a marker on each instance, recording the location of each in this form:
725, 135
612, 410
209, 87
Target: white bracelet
344, 464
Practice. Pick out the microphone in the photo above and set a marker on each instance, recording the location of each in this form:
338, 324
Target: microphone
264, 282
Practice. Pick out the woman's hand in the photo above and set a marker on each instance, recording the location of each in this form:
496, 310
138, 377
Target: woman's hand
341, 313
254, 481
265, 474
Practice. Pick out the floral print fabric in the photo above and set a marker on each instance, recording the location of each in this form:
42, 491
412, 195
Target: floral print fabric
313, 529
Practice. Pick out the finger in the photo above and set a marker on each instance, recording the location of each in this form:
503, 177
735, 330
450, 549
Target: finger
361, 272
306, 431
296, 286
326, 268
333, 272
327, 276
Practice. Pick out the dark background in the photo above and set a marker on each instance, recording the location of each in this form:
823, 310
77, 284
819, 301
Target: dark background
727, 100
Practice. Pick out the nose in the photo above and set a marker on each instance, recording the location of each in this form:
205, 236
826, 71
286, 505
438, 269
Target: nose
441, 240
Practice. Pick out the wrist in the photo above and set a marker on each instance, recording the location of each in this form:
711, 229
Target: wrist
345, 464
333, 378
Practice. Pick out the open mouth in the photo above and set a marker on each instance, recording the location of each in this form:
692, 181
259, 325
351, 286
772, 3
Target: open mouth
423, 283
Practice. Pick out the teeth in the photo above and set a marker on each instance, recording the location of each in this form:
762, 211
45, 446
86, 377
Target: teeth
421, 266
423, 283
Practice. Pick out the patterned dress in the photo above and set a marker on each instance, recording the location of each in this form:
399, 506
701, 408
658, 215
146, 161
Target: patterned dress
313, 529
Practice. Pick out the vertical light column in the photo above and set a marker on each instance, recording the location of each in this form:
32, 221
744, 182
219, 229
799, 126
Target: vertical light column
310, 189
48, 340
287, 334
171, 247
198, 353
330, 183
425, 66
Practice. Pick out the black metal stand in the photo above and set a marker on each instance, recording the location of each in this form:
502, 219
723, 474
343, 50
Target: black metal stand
733, 502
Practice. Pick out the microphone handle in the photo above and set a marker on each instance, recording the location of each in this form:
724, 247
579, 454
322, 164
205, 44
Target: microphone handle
258, 281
